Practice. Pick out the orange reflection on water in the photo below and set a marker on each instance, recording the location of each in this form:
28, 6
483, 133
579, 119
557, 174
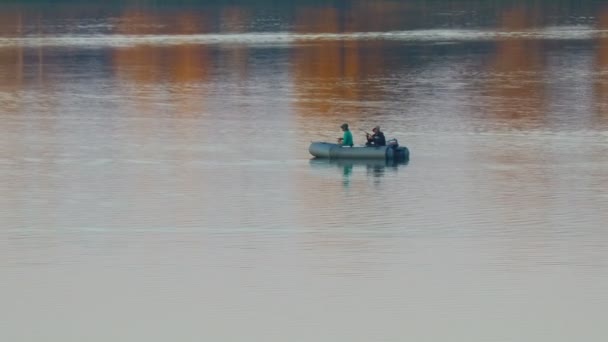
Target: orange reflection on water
16, 69
145, 65
11, 22
601, 94
19, 65
517, 66
11, 60
234, 19
378, 15
516, 95
11, 69
331, 71
319, 64
601, 72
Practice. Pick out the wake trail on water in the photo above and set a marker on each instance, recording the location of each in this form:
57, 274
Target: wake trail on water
289, 38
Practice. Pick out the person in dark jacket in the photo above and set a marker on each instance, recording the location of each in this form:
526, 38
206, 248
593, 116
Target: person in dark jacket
376, 139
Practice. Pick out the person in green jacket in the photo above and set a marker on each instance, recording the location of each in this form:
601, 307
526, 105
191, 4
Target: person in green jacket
347, 139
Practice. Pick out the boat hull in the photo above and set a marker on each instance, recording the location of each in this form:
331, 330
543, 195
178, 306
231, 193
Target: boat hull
335, 151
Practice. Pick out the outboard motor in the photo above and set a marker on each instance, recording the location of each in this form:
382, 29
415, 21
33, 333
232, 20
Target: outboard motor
396, 153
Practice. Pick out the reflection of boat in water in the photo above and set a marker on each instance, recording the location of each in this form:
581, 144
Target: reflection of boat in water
350, 168
357, 162
375, 168
382, 153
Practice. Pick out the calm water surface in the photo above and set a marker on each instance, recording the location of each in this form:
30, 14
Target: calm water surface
156, 182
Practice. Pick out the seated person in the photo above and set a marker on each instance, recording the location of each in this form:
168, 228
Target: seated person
347, 139
376, 139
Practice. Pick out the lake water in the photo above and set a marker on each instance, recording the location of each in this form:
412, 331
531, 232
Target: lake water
156, 183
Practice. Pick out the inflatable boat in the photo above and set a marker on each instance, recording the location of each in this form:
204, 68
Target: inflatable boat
335, 151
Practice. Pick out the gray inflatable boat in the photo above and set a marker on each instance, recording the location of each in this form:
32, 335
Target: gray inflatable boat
335, 151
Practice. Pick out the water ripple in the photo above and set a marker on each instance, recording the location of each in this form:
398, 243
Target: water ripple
258, 38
